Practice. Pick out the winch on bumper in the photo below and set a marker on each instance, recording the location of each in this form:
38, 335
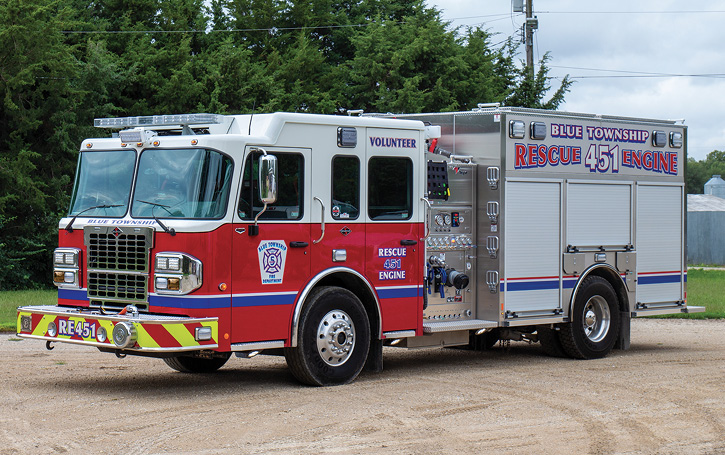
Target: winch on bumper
132, 333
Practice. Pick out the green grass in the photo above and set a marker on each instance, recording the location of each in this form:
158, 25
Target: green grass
10, 300
704, 288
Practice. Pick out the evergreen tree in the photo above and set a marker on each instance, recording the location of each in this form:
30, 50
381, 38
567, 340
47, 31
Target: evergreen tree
38, 137
65, 62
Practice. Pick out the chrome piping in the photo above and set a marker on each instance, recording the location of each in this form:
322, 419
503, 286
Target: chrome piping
114, 347
586, 273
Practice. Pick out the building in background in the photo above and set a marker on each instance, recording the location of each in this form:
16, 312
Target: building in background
705, 222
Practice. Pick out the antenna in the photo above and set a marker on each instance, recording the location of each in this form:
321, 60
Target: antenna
254, 106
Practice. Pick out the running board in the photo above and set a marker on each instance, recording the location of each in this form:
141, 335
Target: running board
452, 326
671, 310
257, 346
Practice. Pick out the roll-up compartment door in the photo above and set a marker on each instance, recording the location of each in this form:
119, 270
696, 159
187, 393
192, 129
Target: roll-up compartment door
532, 250
659, 244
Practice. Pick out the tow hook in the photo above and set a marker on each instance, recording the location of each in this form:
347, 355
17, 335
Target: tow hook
49, 345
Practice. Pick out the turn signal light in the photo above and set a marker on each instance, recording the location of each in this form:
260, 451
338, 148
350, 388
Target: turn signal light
173, 284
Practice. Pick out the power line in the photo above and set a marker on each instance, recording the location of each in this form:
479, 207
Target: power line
633, 74
633, 12
271, 29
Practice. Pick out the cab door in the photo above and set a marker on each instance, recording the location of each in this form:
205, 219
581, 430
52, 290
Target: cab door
338, 223
393, 212
270, 268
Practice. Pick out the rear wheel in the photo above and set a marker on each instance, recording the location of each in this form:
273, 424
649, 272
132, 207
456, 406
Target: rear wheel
594, 321
187, 364
333, 339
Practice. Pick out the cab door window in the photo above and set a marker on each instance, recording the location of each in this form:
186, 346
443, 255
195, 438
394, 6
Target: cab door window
345, 187
290, 186
390, 188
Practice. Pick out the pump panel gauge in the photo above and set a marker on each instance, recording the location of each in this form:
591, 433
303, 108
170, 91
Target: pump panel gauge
440, 221
447, 219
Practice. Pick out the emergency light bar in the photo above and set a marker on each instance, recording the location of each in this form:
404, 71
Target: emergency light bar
158, 120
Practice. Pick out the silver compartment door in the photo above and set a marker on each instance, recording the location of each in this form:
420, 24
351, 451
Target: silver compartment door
659, 244
532, 248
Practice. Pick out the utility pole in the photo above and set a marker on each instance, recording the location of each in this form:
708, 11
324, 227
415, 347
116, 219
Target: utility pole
532, 23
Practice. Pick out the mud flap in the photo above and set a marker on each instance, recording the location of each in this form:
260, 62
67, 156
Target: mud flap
623, 343
374, 363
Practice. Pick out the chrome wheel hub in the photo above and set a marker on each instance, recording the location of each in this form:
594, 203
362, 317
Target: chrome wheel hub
335, 338
596, 319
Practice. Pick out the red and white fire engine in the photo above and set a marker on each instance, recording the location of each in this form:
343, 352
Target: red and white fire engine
325, 238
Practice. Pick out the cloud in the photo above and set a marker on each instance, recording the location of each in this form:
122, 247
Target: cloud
645, 36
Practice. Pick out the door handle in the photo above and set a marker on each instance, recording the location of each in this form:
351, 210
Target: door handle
322, 225
299, 244
408, 242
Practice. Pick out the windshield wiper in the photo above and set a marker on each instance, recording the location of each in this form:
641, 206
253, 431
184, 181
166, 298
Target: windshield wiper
69, 228
165, 207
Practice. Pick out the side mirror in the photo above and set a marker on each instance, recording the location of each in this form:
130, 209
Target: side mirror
268, 179
267, 186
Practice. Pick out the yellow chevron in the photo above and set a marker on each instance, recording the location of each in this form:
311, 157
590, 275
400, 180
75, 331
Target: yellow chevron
143, 338
108, 325
42, 326
182, 334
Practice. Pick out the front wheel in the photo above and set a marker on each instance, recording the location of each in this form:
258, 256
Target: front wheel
188, 364
333, 340
594, 325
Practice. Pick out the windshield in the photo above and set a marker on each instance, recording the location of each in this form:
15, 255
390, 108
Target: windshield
188, 183
103, 181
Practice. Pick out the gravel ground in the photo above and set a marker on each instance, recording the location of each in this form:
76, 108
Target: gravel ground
664, 396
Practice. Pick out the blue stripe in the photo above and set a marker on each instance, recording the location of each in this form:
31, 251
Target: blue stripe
384, 293
511, 286
531, 285
660, 279
170, 301
73, 294
263, 300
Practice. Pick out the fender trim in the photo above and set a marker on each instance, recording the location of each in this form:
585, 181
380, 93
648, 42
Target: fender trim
311, 285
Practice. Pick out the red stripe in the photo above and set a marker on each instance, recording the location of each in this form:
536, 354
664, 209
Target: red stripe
660, 273
161, 336
535, 278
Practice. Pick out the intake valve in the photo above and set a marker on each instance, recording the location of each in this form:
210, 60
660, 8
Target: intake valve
456, 279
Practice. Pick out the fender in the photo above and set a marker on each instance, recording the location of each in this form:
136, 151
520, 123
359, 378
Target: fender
608, 270
314, 282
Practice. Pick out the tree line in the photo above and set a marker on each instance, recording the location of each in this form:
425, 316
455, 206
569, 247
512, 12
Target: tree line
65, 62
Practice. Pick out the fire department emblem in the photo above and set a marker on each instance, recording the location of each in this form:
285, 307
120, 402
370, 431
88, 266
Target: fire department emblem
272, 257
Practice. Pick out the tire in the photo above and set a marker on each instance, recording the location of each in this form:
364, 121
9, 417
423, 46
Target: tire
186, 364
333, 339
594, 325
550, 342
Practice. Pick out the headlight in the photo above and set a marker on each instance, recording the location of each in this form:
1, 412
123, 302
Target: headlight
66, 257
67, 267
177, 273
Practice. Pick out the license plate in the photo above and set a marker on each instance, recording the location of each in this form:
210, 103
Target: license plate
77, 328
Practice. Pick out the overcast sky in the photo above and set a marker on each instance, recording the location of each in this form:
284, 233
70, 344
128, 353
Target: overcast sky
597, 43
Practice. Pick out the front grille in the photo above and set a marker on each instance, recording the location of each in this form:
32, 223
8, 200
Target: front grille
116, 286
118, 264
125, 252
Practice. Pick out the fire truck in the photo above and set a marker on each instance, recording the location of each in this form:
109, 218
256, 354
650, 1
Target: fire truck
325, 238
